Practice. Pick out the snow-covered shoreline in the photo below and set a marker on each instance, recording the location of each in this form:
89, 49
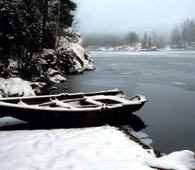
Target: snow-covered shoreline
137, 48
70, 57
103, 147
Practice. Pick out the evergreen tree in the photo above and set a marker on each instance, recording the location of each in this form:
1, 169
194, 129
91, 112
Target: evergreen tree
26, 26
144, 41
20, 26
176, 37
161, 42
58, 16
62, 12
154, 39
132, 38
149, 43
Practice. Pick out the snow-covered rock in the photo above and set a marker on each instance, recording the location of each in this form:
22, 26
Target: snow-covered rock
15, 87
38, 87
13, 67
79, 58
47, 57
70, 56
54, 76
18, 87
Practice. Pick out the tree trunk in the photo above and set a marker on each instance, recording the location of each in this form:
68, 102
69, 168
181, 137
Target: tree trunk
45, 15
57, 24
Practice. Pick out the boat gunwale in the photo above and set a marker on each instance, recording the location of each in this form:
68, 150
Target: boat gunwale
61, 94
61, 109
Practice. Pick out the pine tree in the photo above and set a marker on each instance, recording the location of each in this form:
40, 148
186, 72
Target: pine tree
66, 16
144, 42
20, 25
149, 43
132, 38
176, 37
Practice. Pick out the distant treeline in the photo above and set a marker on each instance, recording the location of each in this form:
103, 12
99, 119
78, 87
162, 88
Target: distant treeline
181, 36
147, 41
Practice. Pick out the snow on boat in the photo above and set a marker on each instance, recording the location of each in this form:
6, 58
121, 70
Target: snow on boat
71, 108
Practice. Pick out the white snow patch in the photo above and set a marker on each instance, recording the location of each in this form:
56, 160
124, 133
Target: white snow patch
183, 160
88, 148
57, 79
51, 71
143, 137
15, 87
54, 76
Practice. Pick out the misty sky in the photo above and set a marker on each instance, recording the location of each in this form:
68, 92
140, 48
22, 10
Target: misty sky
121, 16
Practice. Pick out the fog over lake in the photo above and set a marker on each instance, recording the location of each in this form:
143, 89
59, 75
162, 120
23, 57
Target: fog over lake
119, 17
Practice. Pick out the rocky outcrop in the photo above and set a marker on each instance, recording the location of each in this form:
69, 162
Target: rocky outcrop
72, 49
70, 57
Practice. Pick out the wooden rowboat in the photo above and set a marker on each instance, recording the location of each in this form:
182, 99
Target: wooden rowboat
71, 108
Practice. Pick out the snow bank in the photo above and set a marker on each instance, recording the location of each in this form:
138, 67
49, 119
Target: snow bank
88, 148
18, 87
15, 87
182, 160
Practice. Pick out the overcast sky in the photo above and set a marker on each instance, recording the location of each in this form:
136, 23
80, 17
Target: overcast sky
121, 16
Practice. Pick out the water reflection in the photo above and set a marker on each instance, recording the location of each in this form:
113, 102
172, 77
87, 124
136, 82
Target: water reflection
136, 123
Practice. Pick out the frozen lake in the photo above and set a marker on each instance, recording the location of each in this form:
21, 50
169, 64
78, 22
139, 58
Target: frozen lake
167, 79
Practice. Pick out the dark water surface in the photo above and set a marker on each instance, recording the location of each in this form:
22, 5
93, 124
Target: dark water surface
166, 79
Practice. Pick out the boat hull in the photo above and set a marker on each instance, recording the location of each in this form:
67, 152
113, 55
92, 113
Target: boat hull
69, 117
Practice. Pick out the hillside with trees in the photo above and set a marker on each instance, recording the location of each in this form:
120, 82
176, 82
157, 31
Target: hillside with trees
37, 42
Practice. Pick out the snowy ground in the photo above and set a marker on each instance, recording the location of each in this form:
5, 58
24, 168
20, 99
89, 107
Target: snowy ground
136, 48
87, 148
